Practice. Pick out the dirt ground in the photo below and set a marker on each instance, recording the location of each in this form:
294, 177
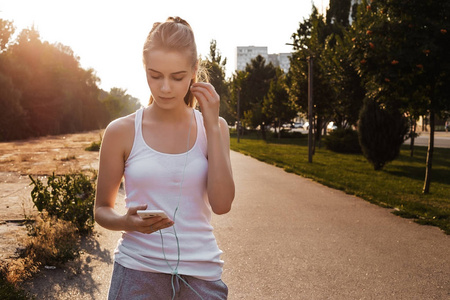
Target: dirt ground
60, 154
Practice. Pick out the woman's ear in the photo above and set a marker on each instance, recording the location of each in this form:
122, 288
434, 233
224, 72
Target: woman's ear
194, 76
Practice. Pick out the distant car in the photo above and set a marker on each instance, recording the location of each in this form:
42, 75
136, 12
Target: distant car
306, 126
297, 125
331, 126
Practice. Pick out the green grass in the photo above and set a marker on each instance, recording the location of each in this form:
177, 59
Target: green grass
399, 185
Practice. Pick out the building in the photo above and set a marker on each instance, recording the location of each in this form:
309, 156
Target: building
245, 54
281, 60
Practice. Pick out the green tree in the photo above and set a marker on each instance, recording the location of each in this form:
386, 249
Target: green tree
56, 94
254, 86
118, 103
401, 50
339, 12
235, 86
216, 71
309, 41
12, 113
277, 107
347, 90
6, 31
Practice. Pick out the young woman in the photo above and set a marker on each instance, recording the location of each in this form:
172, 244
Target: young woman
175, 159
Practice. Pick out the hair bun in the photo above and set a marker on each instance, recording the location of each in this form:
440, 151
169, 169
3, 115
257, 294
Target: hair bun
178, 20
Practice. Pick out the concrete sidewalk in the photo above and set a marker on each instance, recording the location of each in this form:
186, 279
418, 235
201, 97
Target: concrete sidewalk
288, 237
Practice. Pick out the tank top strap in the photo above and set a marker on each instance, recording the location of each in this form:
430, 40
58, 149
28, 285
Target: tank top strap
138, 122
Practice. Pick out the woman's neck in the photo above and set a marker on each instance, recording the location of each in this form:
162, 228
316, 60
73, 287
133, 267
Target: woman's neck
168, 115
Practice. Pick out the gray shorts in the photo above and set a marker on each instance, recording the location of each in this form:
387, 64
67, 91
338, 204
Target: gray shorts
130, 284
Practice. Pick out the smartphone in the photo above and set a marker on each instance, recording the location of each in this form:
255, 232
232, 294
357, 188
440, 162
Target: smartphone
151, 213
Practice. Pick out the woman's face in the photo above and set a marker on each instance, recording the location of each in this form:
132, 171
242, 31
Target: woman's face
169, 75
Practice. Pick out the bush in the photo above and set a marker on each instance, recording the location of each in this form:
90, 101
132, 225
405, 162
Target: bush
284, 134
67, 197
94, 146
343, 141
381, 133
9, 290
52, 241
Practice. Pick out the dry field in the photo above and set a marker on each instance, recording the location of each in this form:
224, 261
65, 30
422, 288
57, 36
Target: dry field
60, 154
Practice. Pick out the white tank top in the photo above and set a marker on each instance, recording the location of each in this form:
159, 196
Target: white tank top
154, 178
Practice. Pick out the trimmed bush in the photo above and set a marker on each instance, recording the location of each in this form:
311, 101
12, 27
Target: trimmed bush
381, 133
343, 141
284, 134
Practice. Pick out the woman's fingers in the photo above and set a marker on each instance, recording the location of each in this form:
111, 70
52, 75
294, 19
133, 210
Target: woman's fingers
204, 92
208, 99
155, 224
147, 225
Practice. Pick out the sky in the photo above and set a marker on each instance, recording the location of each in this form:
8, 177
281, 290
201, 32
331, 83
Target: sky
108, 35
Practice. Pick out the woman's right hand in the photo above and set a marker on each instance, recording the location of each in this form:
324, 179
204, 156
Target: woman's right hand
148, 225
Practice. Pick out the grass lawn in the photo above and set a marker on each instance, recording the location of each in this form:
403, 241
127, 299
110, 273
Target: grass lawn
398, 185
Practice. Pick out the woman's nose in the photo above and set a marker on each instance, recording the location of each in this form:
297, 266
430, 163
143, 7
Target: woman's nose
165, 86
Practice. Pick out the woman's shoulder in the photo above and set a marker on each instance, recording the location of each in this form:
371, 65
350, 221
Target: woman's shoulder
123, 126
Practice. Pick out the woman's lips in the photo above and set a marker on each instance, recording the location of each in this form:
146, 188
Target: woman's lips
166, 98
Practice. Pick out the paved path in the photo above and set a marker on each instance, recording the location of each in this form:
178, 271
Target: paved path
290, 238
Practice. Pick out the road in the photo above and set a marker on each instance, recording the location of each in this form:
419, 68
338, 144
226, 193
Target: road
441, 139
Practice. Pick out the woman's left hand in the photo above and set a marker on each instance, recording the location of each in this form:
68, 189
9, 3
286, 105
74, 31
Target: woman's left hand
209, 102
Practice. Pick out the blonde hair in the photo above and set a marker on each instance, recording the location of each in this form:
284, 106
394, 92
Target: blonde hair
176, 35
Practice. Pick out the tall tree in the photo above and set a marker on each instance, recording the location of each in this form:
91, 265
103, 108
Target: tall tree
339, 12
6, 31
12, 113
55, 94
253, 89
277, 107
309, 41
401, 49
118, 103
347, 90
216, 71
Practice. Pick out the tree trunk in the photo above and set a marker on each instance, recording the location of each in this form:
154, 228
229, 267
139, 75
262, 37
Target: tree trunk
412, 134
263, 131
279, 129
426, 187
314, 127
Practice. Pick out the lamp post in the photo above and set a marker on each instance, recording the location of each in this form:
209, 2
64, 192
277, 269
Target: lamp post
238, 126
310, 107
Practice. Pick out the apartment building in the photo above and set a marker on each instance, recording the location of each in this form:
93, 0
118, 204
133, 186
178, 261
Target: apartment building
245, 54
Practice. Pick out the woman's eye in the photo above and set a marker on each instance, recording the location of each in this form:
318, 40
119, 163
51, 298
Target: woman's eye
178, 78
155, 77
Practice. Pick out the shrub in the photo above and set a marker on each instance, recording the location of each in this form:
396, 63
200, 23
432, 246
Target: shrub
68, 197
52, 241
8, 289
381, 133
343, 141
94, 146
284, 134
